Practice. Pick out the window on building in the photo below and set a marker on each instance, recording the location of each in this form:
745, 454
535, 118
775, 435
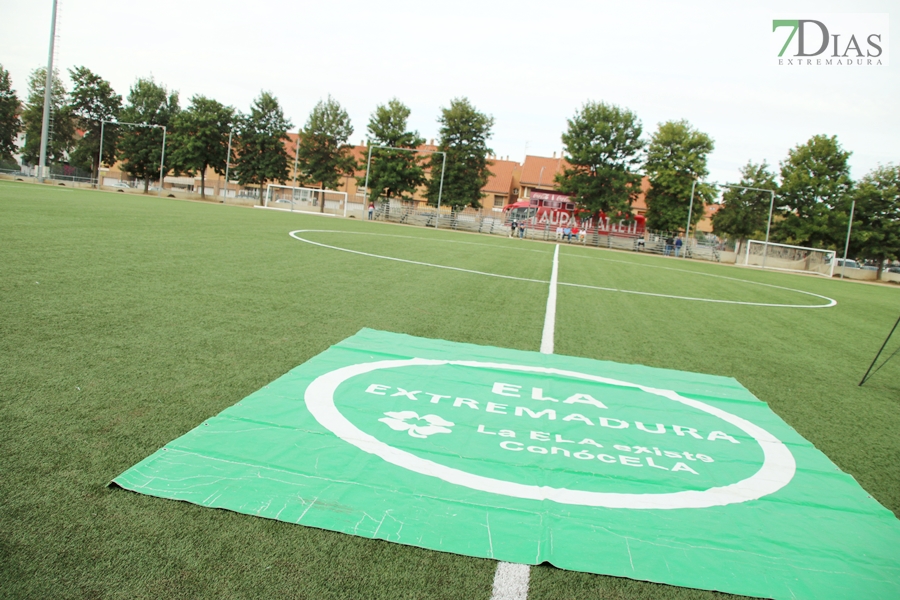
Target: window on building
499, 200
525, 192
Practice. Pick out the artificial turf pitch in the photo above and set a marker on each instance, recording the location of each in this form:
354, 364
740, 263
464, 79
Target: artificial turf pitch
128, 320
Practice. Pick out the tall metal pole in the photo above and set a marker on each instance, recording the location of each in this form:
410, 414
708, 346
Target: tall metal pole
846, 247
687, 230
296, 156
48, 92
227, 164
162, 160
366, 190
100, 154
440, 191
768, 227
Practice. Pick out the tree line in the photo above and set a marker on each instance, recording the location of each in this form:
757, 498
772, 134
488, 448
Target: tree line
813, 191
603, 144
197, 139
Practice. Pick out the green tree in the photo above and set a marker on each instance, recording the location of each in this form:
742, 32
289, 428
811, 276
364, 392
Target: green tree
815, 187
323, 153
745, 213
261, 155
200, 138
876, 221
676, 157
140, 147
604, 148
463, 136
10, 124
393, 173
93, 101
62, 130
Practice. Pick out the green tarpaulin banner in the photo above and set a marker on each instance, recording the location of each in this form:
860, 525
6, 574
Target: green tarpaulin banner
625, 470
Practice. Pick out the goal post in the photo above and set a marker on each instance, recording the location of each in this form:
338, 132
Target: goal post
303, 199
784, 257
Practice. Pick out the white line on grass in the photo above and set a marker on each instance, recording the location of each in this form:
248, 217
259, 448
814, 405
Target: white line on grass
511, 580
303, 212
403, 260
830, 301
550, 313
514, 246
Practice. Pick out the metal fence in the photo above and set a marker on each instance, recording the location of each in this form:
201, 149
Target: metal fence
31, 172
701, 247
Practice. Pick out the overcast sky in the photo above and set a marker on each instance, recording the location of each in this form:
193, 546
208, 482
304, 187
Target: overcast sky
530, 65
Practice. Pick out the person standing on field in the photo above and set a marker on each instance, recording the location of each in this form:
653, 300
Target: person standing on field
371, 210
678, 244
512, 228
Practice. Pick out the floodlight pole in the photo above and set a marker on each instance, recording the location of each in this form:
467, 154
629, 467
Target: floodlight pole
437, 220
48, 92
847, 246
227, 164
100, 154
366, 189
687, 230
296, 155
440, 188
768, 227
162, 160
771, 208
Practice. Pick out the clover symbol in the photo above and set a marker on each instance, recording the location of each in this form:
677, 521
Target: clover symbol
399, 421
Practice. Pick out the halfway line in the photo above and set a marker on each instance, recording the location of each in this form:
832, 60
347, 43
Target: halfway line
510, 579
550, 315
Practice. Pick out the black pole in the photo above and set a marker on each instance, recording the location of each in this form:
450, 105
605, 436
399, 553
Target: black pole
866, 376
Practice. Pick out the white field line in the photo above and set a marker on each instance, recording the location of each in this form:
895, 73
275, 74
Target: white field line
830, 301
514, 246
550, 313
511, 580
299, 212
411, 262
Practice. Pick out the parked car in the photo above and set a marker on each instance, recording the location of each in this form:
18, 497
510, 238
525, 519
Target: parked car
120, 184
849, 263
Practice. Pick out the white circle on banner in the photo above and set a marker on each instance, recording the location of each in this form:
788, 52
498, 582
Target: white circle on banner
777, 470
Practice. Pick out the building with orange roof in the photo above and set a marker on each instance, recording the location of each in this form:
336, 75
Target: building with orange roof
539, 173
502, 187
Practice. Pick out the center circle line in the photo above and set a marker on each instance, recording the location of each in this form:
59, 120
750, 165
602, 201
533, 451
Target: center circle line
831, 301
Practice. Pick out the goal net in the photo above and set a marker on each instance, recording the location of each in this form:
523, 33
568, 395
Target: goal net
311, 200
783, 257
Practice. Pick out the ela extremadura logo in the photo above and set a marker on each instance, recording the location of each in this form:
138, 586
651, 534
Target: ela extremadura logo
836, 40
543, 433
